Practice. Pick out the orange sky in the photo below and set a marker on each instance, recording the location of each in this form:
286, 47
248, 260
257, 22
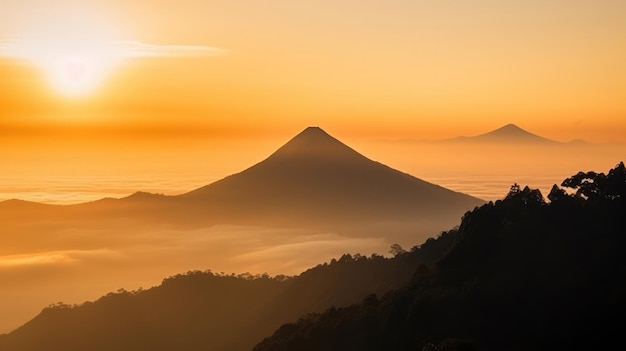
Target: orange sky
419, 69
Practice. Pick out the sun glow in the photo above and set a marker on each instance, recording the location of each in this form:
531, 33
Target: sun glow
78, 73
74, 51
77, 52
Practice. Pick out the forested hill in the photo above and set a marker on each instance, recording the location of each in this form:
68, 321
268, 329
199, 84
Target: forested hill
523, 274
207, 311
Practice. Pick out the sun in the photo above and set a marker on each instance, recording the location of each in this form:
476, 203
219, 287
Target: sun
78, 50
74, 75
74, 52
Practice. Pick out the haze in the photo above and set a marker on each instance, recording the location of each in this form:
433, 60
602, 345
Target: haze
198, 90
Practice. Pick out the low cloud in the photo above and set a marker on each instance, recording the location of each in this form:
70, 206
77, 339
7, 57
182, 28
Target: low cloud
14, 48
55, 257
44, 265
139, 49
6, 47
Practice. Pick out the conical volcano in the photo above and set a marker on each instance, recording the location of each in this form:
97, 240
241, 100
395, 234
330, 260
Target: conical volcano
314, 142
315, 179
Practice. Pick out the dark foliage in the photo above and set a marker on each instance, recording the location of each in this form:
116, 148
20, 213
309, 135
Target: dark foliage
522, 274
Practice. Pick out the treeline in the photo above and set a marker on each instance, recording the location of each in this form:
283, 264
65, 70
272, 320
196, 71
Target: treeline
523, 273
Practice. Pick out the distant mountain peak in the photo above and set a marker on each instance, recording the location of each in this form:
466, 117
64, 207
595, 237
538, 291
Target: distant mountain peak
510, 130
511, 127
509, 133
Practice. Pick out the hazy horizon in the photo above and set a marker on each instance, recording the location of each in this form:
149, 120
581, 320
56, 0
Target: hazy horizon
457, 167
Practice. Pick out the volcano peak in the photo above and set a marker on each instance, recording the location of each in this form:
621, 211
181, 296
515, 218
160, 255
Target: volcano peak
315, 142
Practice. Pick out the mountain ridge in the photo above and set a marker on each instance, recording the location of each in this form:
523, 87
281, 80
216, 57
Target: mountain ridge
509, 133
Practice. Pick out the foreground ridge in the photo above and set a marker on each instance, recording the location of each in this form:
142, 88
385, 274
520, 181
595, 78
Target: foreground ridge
522, 274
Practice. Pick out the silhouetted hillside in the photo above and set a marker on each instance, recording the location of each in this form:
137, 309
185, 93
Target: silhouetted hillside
205, 311
522, 274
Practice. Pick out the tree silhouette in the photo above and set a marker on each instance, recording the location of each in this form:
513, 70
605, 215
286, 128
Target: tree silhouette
515, 189
396, 250
593, 186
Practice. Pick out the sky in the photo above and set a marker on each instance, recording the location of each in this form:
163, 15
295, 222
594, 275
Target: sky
225, 69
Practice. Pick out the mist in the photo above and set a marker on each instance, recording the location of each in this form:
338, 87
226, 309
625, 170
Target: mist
45, 262
84, 264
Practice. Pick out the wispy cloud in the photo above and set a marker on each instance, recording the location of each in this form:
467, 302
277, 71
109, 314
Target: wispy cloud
6, 47
14, 48
56, 257
139, 49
